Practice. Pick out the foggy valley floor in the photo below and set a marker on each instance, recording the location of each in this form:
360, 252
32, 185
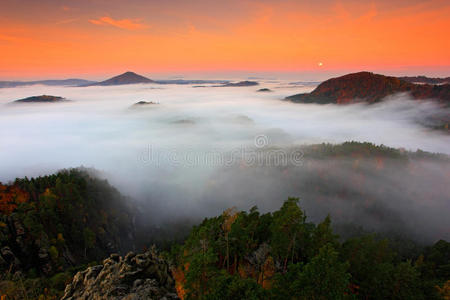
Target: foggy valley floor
191, 153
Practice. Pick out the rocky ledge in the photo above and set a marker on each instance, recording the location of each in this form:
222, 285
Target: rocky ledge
133, 277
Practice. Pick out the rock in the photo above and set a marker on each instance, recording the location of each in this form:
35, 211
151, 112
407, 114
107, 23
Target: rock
115, 257
129, 256
134, 277
44, 261
264, 90
18, 227
9, 258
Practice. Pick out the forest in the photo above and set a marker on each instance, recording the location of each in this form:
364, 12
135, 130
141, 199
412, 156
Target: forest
280, 255
52, 227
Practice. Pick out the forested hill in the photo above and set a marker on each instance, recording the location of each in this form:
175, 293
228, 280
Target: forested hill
370, 87
51, 224
280, 255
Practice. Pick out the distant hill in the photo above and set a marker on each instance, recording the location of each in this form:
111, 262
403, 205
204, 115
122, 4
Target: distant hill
125, 78
424, 79
264, 90
241, 83
145, 103
190, 81
56, 82
42, 99
369, 87
232, 84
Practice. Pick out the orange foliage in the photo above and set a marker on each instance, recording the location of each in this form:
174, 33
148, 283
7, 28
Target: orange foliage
10, 197
48, 192
180, 280
263, 277
230, 216
354, 289
268, 270
444, 291
245, 270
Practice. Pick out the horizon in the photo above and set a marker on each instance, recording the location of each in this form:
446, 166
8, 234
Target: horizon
96, 40
306, 75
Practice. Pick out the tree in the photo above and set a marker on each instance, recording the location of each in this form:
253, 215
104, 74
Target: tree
324, 277
89, 240
287, 226
231, 287
406, 282
371, 266
229, 216
322, 235
200, 257
53, 253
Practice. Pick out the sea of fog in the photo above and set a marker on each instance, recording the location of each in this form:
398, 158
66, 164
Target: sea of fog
167, 153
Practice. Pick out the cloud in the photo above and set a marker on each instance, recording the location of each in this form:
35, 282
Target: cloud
130, 24
66, 21
66, 8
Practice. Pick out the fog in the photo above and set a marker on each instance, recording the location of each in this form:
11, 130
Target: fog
169, 156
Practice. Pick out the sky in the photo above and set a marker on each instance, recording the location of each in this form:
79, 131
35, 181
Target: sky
95, 39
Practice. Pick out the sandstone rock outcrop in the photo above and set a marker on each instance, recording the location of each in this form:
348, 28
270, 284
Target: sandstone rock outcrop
135, 276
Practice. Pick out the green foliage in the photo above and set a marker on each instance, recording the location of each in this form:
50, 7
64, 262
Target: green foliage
406, 282
324, 277
53, 253
281, 256
287, 227
370, 265
438, 257
321, 236
230, 287
59, 281
89, 238
201, 258
65, 215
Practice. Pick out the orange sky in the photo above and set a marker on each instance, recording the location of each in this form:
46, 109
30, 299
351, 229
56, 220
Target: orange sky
66, 38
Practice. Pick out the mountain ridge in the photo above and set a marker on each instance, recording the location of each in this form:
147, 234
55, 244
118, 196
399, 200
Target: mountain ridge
50, 82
